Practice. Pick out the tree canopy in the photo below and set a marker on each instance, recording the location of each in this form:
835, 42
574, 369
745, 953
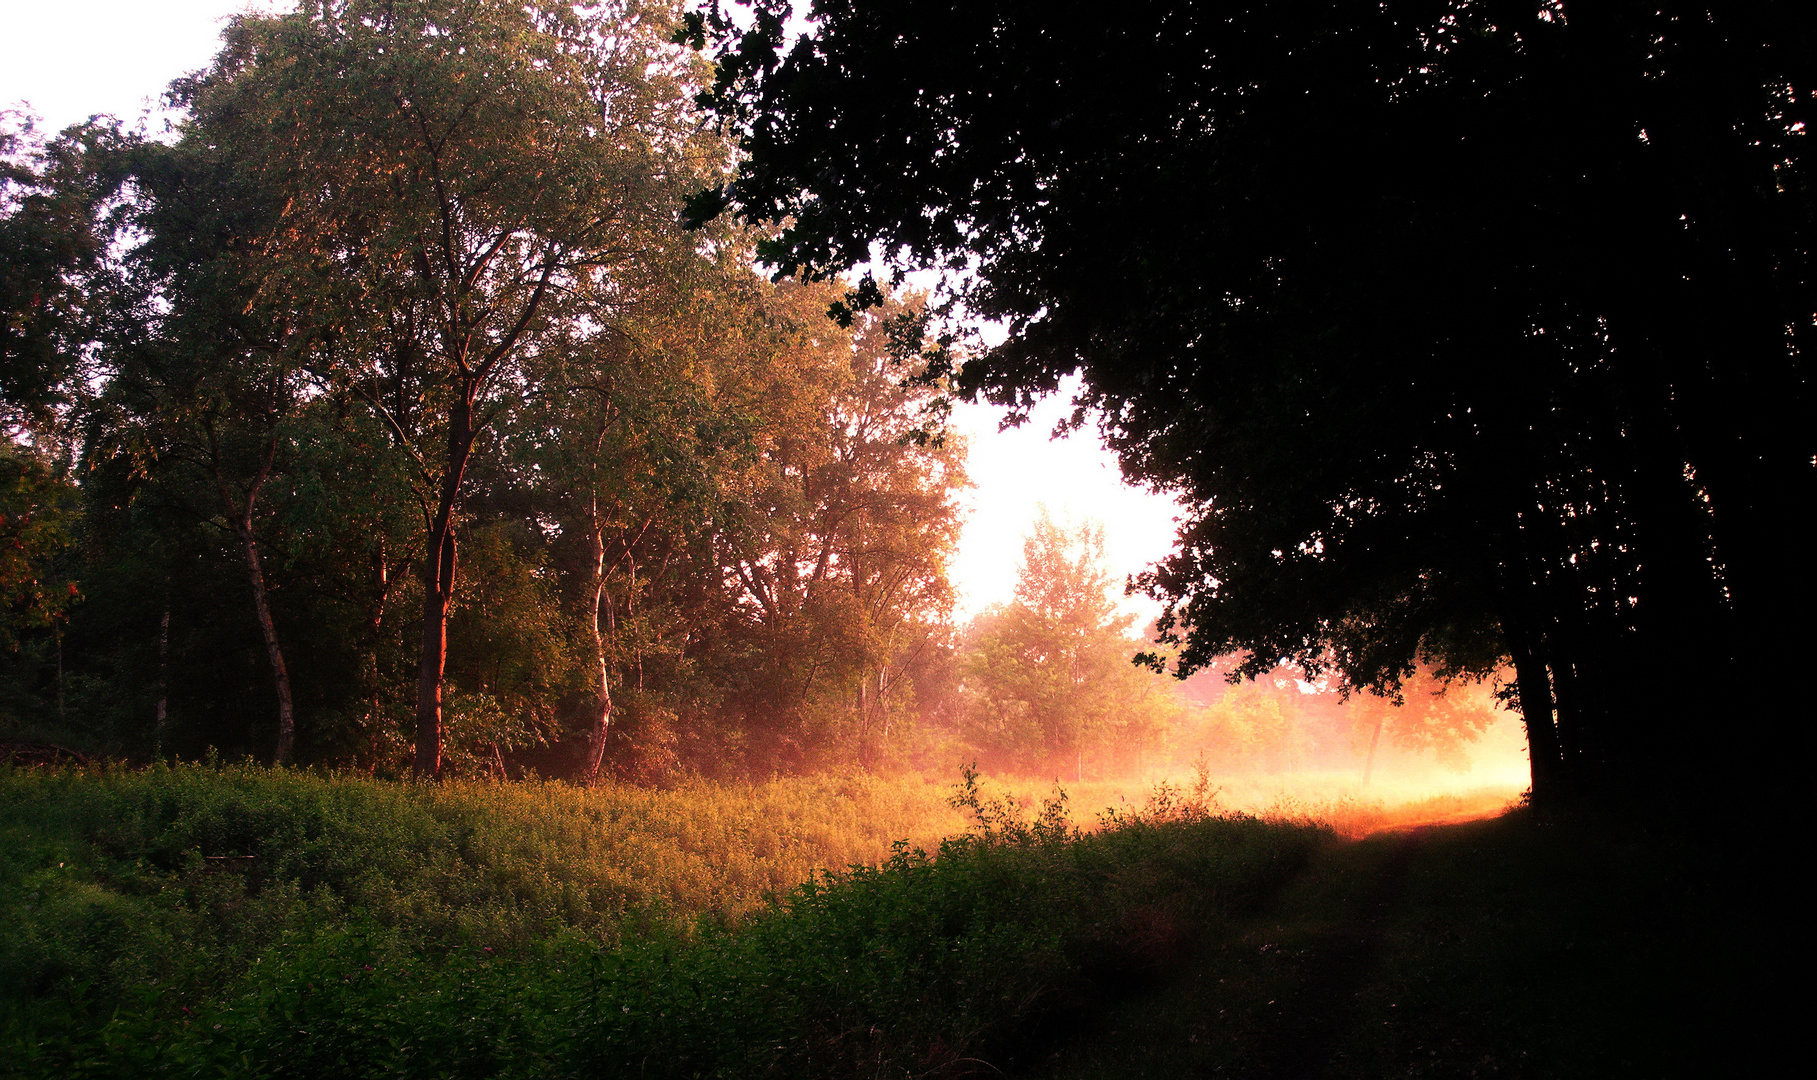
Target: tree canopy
1048, 676
1465, 330
409, 282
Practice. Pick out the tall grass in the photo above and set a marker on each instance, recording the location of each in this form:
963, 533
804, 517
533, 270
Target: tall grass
241, 921
119, 877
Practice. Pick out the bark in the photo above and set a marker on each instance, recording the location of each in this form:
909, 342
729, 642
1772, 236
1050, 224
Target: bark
240, 514
1535, 687
470, 379
57, 632
602, 716
286, 712
163, 706
382, 581
438, 588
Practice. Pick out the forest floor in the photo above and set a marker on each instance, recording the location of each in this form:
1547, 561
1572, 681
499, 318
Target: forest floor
1496, 948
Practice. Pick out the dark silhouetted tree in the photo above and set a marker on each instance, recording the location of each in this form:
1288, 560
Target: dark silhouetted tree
1463, 329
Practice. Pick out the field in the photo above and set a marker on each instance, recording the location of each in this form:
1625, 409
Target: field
249, 922
228, 921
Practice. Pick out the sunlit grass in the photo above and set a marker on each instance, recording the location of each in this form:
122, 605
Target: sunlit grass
196, 918
1337, 799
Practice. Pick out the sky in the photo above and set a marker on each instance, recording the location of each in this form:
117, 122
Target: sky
76, 58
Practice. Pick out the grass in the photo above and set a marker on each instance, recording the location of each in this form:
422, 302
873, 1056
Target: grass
238, 922
244, 922
122, 868
1334, 799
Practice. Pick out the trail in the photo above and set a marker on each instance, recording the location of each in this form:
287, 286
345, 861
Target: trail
1277, 997
1486, 949
1306, 1033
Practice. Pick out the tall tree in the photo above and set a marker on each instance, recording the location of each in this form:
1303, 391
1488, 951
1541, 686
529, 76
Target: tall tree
1049, 674
1427, 712
54, 273
214, 366
59, 210
837, 541
468, 172
623, 451
1461, 328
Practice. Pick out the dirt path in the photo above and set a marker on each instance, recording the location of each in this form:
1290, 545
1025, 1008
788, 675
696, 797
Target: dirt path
1307, 1032
1489, 949
1276, 996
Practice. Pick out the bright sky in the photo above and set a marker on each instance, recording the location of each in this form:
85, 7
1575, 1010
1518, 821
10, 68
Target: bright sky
73, 59
1019, 471
79, 57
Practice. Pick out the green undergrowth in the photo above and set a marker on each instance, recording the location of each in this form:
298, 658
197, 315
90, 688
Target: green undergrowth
243, 922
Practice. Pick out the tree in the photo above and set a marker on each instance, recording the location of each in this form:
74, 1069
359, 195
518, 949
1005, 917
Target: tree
466, 174
622, 452
420, 261
1428, 711
1049, 674
59, 209
749, 546
1464, 330
211, 365
38, 507
833, 540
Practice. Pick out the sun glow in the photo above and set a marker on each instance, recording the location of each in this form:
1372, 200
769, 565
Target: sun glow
1017, 472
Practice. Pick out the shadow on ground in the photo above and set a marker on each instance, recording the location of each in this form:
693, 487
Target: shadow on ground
1492, 949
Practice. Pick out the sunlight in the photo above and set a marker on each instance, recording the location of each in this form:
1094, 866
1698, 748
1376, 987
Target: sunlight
1016, 472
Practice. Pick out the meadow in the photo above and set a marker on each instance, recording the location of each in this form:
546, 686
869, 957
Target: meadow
234, 921
209, 920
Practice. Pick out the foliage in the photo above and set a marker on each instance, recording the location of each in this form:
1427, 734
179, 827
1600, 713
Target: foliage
58, 208
460, 184
271, 923
1417, 305
38, 506
1048, 677
1429, 713
407, 292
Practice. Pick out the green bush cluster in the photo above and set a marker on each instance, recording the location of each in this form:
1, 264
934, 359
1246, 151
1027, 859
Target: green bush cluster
377, 931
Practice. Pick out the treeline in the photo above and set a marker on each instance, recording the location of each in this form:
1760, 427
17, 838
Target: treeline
386, 414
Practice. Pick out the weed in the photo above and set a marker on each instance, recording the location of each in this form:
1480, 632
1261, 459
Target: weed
267, 923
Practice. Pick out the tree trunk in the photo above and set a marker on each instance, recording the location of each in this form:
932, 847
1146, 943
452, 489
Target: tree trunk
279, 673
57, 633
1535, 689
438, 588
240, 515
602, 716
163, 706
863, 710
1374, 738
375, 621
